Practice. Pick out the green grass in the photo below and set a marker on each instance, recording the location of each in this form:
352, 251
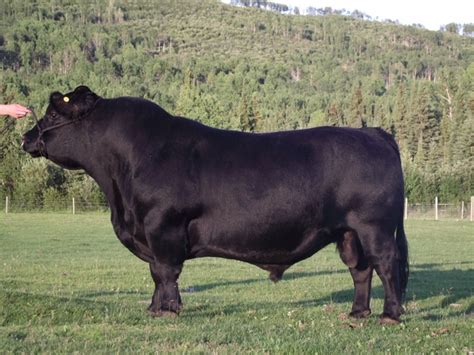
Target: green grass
67, 284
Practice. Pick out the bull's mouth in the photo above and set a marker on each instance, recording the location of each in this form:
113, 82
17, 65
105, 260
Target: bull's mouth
35, 154
31, 148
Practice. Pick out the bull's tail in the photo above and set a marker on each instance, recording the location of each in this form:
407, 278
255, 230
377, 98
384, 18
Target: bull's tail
403, 266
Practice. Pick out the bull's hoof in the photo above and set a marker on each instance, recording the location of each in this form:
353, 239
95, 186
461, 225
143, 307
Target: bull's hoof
386, 320
152, 312
164, 314
275, 276
360, 314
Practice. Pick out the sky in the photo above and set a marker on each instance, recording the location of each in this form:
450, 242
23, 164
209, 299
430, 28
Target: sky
432, 14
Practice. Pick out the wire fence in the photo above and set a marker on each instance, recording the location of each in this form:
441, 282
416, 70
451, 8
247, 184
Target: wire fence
453, 211
61, 205
434, 211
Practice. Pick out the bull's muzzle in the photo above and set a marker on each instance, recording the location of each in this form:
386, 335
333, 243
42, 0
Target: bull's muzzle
30, 145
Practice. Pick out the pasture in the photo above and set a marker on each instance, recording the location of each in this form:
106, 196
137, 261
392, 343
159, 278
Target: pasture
67, 284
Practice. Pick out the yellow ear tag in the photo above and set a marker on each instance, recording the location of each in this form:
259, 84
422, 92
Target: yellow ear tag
66, 99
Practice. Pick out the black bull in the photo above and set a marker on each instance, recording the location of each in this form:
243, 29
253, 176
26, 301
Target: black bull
180, 190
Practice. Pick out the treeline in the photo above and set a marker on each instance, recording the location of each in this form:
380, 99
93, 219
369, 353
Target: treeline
245, 69
466, 29
262, 4
311, 11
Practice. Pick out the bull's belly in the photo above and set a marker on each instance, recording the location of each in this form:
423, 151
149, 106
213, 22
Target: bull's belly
271, 246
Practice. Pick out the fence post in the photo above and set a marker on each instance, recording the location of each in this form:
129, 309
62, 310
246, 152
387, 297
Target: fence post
436, 208
405, 211
472, 208
462, 210
73, 205
6, 205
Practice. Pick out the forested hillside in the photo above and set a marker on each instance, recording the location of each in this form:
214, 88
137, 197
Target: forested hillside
241, 68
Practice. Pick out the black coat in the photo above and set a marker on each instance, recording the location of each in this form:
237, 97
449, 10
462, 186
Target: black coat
178, 189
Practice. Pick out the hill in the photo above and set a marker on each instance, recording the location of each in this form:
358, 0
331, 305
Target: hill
246, 69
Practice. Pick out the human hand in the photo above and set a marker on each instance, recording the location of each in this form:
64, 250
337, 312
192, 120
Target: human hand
14, 110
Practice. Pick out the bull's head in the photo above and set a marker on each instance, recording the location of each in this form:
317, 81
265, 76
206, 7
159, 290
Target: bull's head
57, 134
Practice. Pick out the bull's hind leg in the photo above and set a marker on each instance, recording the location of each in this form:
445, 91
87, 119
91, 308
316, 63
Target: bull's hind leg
387, 269
362, 286
381, 251
352, 255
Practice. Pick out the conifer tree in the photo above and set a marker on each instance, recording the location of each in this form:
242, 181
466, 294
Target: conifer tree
428, 117
401, 118
187, 95
357, 111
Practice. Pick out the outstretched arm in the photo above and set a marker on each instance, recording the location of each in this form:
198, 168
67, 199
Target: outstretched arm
14, 110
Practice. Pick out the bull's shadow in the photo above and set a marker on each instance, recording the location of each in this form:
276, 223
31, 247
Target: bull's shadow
287, 276
426, 281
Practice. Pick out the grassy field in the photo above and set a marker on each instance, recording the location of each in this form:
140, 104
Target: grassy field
67, 284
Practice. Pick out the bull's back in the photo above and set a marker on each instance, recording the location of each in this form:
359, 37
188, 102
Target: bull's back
303, 161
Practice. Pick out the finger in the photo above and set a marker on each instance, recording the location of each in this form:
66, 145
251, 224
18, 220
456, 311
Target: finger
20, 108
19, 113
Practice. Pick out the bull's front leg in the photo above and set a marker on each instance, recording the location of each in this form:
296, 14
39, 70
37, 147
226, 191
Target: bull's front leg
166, 236
166, 300
154, 307
169, 290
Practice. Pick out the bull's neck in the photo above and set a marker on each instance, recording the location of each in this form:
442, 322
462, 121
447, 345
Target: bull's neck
110, 166
115, 153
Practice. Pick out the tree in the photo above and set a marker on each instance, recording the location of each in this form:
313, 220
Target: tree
356, 116
32, 182
452, 28
468, 29
249, 114
188, 95
300, 71
402, 119
428, 117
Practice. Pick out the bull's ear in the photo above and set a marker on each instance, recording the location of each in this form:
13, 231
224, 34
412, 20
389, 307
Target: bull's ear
76, 103
55, 98
83, 100
82, 89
